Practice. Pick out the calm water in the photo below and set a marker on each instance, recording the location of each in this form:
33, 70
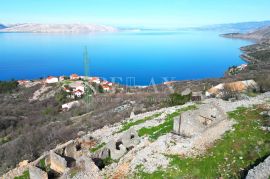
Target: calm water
179, 55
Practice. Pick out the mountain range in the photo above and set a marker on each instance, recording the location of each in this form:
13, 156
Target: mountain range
2, 26
242, 27
58, 28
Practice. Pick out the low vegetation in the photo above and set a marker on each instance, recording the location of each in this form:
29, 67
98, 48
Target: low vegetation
8, 86
128, 125
166, 127
25, 175
177, 99
96, 148
230, 157
43, 166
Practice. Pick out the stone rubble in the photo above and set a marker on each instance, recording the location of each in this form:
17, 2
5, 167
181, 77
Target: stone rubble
136, 151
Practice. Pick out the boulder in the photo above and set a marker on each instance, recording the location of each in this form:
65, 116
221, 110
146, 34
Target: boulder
132, 115
36, 173
104, 153
71, 150
186, 92
58, 163
88, 168
23, 163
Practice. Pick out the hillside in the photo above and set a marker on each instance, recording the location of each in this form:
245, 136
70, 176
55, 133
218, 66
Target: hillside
143, 146
242, 27
258, 35
59, 28
2, 26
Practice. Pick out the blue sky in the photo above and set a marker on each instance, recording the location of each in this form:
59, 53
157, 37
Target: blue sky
143, 13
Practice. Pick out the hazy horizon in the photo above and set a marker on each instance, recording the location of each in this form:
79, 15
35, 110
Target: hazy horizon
148, 14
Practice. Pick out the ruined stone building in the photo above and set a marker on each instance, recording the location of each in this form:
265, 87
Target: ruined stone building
194, 122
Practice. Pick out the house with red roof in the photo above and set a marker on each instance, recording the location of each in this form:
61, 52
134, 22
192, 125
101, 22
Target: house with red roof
78, 93
106, 88
51, 79
74, 77
95, 80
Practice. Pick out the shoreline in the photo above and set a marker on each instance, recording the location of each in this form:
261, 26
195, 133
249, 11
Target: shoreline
247, 59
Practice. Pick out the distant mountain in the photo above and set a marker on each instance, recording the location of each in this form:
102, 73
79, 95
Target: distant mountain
258, 34
237, 27
59, 28
2, 26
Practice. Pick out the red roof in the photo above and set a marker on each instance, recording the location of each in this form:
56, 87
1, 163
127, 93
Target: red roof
74, 76
77, 91
50, 77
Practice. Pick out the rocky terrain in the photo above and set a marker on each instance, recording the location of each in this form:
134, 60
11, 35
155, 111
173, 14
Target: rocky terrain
59, 28
151, 144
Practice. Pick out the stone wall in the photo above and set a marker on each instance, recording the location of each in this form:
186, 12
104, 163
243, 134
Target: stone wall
262, 171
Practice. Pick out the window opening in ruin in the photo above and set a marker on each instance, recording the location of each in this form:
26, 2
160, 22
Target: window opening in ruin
117, 145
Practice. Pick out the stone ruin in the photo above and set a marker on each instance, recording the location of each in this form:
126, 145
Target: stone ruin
75, 155
194, 122
60, 161
117, 148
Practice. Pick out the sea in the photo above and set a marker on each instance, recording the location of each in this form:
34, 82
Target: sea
137, 58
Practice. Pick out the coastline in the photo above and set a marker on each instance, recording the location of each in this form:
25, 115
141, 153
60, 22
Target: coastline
243, 56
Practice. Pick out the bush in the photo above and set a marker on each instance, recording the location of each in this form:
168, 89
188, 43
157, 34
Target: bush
177, 99
8, 86
263, 83
61, 97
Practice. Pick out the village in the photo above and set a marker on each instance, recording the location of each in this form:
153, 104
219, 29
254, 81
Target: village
75, 87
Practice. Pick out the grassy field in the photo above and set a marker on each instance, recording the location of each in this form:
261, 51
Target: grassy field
128, 125
164, 128
230, 157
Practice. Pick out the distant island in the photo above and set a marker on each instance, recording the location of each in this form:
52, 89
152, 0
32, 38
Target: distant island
261, 34
57, 28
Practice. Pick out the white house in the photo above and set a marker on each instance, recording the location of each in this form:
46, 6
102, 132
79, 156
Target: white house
74, 77
78, 93
51, 80
242, 67
107, 83
106, 88
80, 88
61, 78
95, 80
70, 105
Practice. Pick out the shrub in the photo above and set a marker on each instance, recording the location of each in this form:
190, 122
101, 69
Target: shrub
263, 82
8, 86
177, 99
61, 97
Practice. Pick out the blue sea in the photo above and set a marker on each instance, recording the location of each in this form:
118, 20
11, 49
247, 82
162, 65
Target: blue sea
133, 58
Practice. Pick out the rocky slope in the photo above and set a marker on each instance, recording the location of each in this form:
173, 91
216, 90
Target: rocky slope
59, 28
148, 154
258, 35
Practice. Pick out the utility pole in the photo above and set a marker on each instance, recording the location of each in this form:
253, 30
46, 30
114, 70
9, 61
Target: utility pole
87, 89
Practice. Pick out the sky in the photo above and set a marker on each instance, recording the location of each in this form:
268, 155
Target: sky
134, 13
